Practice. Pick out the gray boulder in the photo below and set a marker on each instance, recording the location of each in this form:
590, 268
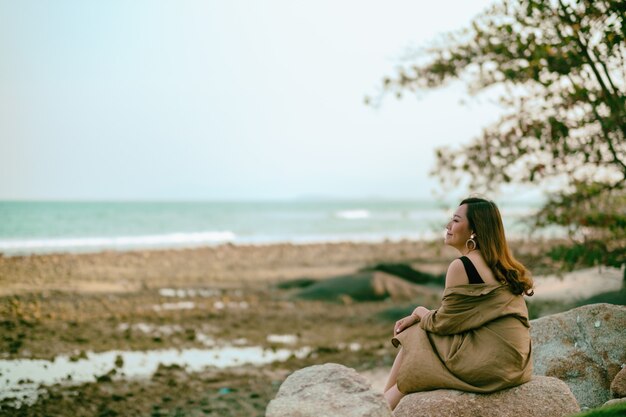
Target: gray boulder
585, 347
329, 390
541, 397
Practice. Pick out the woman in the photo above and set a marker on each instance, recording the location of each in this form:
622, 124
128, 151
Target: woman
478, 340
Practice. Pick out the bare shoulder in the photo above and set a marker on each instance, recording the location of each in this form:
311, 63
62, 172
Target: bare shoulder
456, 274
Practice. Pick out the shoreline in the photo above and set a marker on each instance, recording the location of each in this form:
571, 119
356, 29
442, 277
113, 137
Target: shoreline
93, 245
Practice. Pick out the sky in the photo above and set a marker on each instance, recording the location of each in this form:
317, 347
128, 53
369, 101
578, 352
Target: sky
224, 100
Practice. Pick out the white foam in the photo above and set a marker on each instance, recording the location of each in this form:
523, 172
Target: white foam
114, 242
353, 214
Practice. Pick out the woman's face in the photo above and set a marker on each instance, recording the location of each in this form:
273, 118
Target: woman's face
458, 228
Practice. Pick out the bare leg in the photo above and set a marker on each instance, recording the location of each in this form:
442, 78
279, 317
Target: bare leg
393, 397
395, 368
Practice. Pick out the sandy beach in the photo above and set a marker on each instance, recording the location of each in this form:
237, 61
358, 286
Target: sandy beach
213, 331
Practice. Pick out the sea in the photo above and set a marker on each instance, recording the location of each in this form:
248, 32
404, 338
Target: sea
38, 227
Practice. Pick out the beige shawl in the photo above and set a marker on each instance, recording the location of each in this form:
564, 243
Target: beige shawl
478, 341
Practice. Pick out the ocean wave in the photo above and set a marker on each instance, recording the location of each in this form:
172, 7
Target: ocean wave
353, 214
162, 240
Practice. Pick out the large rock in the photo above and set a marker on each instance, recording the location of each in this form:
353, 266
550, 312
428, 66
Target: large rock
369, 286
329, 390
615, 402
541, 397
585, 347
618, 386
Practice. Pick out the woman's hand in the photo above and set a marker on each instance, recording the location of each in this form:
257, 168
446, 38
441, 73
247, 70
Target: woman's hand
420, 312
409, 321
405, 323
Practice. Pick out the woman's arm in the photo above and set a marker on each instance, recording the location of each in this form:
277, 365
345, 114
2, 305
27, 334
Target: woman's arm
455, 276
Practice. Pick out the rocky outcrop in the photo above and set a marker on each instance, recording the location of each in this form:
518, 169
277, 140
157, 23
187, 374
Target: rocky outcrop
615, 402
337, 391
618, 386
585, 347
369, 286
541, 397
327, 390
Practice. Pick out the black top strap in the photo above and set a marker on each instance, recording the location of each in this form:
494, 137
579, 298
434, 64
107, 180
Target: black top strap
470, 270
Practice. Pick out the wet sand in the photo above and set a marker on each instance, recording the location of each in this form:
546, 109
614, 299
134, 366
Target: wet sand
81, 308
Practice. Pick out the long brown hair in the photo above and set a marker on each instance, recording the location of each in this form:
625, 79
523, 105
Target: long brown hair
485, 221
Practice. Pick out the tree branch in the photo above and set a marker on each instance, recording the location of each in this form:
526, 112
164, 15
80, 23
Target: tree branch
616, 107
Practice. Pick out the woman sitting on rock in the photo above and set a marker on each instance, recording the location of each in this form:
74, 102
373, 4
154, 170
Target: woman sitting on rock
478, 340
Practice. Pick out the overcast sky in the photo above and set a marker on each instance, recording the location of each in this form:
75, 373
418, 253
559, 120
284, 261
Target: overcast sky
200, 100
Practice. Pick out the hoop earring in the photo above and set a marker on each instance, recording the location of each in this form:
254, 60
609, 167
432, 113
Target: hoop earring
471, 242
